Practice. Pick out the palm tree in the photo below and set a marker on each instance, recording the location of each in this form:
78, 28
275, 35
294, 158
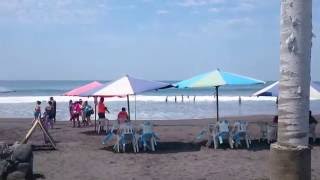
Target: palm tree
290, 157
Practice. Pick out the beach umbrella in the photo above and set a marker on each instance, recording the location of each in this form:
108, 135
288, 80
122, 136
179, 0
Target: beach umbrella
126, 86
82, 89
216, 79
273, 90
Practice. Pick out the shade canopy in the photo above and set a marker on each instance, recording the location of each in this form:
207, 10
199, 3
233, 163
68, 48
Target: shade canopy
82, 89
273, 90
216, 78
126, 85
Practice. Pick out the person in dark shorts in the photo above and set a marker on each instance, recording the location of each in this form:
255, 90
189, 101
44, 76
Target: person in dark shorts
102, 109
49, 114
54, 108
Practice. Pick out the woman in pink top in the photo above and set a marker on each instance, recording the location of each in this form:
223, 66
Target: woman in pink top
76, 113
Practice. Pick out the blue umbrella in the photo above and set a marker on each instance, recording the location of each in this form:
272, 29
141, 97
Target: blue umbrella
216, 79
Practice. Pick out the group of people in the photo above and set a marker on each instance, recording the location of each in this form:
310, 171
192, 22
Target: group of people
48, 117
81, 109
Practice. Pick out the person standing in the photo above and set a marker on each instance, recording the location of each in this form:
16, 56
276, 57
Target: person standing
102, 109
49, 114
76, 113
71, 110
54, 108
88, 111
37, 111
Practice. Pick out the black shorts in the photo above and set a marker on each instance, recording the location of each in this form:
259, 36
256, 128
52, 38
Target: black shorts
101, 115
88, 114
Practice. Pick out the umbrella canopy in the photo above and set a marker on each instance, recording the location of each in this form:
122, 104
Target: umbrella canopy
82, 89
215, 79
273, 90
126, 85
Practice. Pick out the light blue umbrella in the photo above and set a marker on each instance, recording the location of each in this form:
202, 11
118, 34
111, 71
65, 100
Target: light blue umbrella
216, 79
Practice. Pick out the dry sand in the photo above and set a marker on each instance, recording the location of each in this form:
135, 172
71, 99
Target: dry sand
81, 156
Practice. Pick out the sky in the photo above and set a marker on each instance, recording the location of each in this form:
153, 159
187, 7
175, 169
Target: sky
151, 39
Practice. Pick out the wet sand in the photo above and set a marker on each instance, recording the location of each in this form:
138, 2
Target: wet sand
81, 156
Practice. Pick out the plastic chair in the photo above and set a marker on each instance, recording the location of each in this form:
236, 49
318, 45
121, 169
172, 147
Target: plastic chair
221, 134
240, 133
127, 136
148, 137
102, 123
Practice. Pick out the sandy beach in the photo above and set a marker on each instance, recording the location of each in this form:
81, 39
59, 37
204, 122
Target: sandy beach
81, 155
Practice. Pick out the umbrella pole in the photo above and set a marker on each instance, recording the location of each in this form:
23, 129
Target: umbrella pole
95, 118
217, 102
128, 106
135, 107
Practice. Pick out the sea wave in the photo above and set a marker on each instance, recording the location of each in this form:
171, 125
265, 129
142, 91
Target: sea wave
143, 98
5, 90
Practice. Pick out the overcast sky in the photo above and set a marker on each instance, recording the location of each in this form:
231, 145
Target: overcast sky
153, 39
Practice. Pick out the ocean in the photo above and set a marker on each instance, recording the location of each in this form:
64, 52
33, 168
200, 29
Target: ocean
17, 100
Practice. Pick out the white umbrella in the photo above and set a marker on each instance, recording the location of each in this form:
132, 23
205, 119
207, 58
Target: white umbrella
126, 86
273, 90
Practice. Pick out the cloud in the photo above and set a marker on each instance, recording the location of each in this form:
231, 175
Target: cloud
49, 11
225, 25
215, 10
162, 12
191, 3
244, 6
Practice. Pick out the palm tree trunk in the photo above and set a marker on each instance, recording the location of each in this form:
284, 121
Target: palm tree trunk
291, 155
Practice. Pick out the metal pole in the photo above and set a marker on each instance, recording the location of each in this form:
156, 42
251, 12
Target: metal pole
95, 117
128, 106
95, 101
217, 102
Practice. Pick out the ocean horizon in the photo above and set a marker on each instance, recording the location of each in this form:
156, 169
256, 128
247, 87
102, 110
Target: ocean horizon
19, 96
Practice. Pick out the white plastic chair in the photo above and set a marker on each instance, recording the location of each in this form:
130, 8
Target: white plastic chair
240, 133
222, 133
147, 130
127, 136
102, 123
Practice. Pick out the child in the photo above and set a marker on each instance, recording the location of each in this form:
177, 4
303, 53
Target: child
37, 111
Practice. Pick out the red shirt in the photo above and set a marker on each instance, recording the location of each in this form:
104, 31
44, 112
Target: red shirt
101, 108
123, 116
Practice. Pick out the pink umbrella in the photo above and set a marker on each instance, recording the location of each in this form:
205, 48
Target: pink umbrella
82, 89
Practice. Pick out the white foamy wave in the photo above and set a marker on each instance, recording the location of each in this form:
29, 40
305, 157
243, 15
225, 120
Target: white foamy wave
143, 98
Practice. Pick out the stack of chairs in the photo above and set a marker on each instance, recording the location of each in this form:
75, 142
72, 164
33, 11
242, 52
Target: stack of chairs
126, 136
240, 133
221, 134
148, 138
